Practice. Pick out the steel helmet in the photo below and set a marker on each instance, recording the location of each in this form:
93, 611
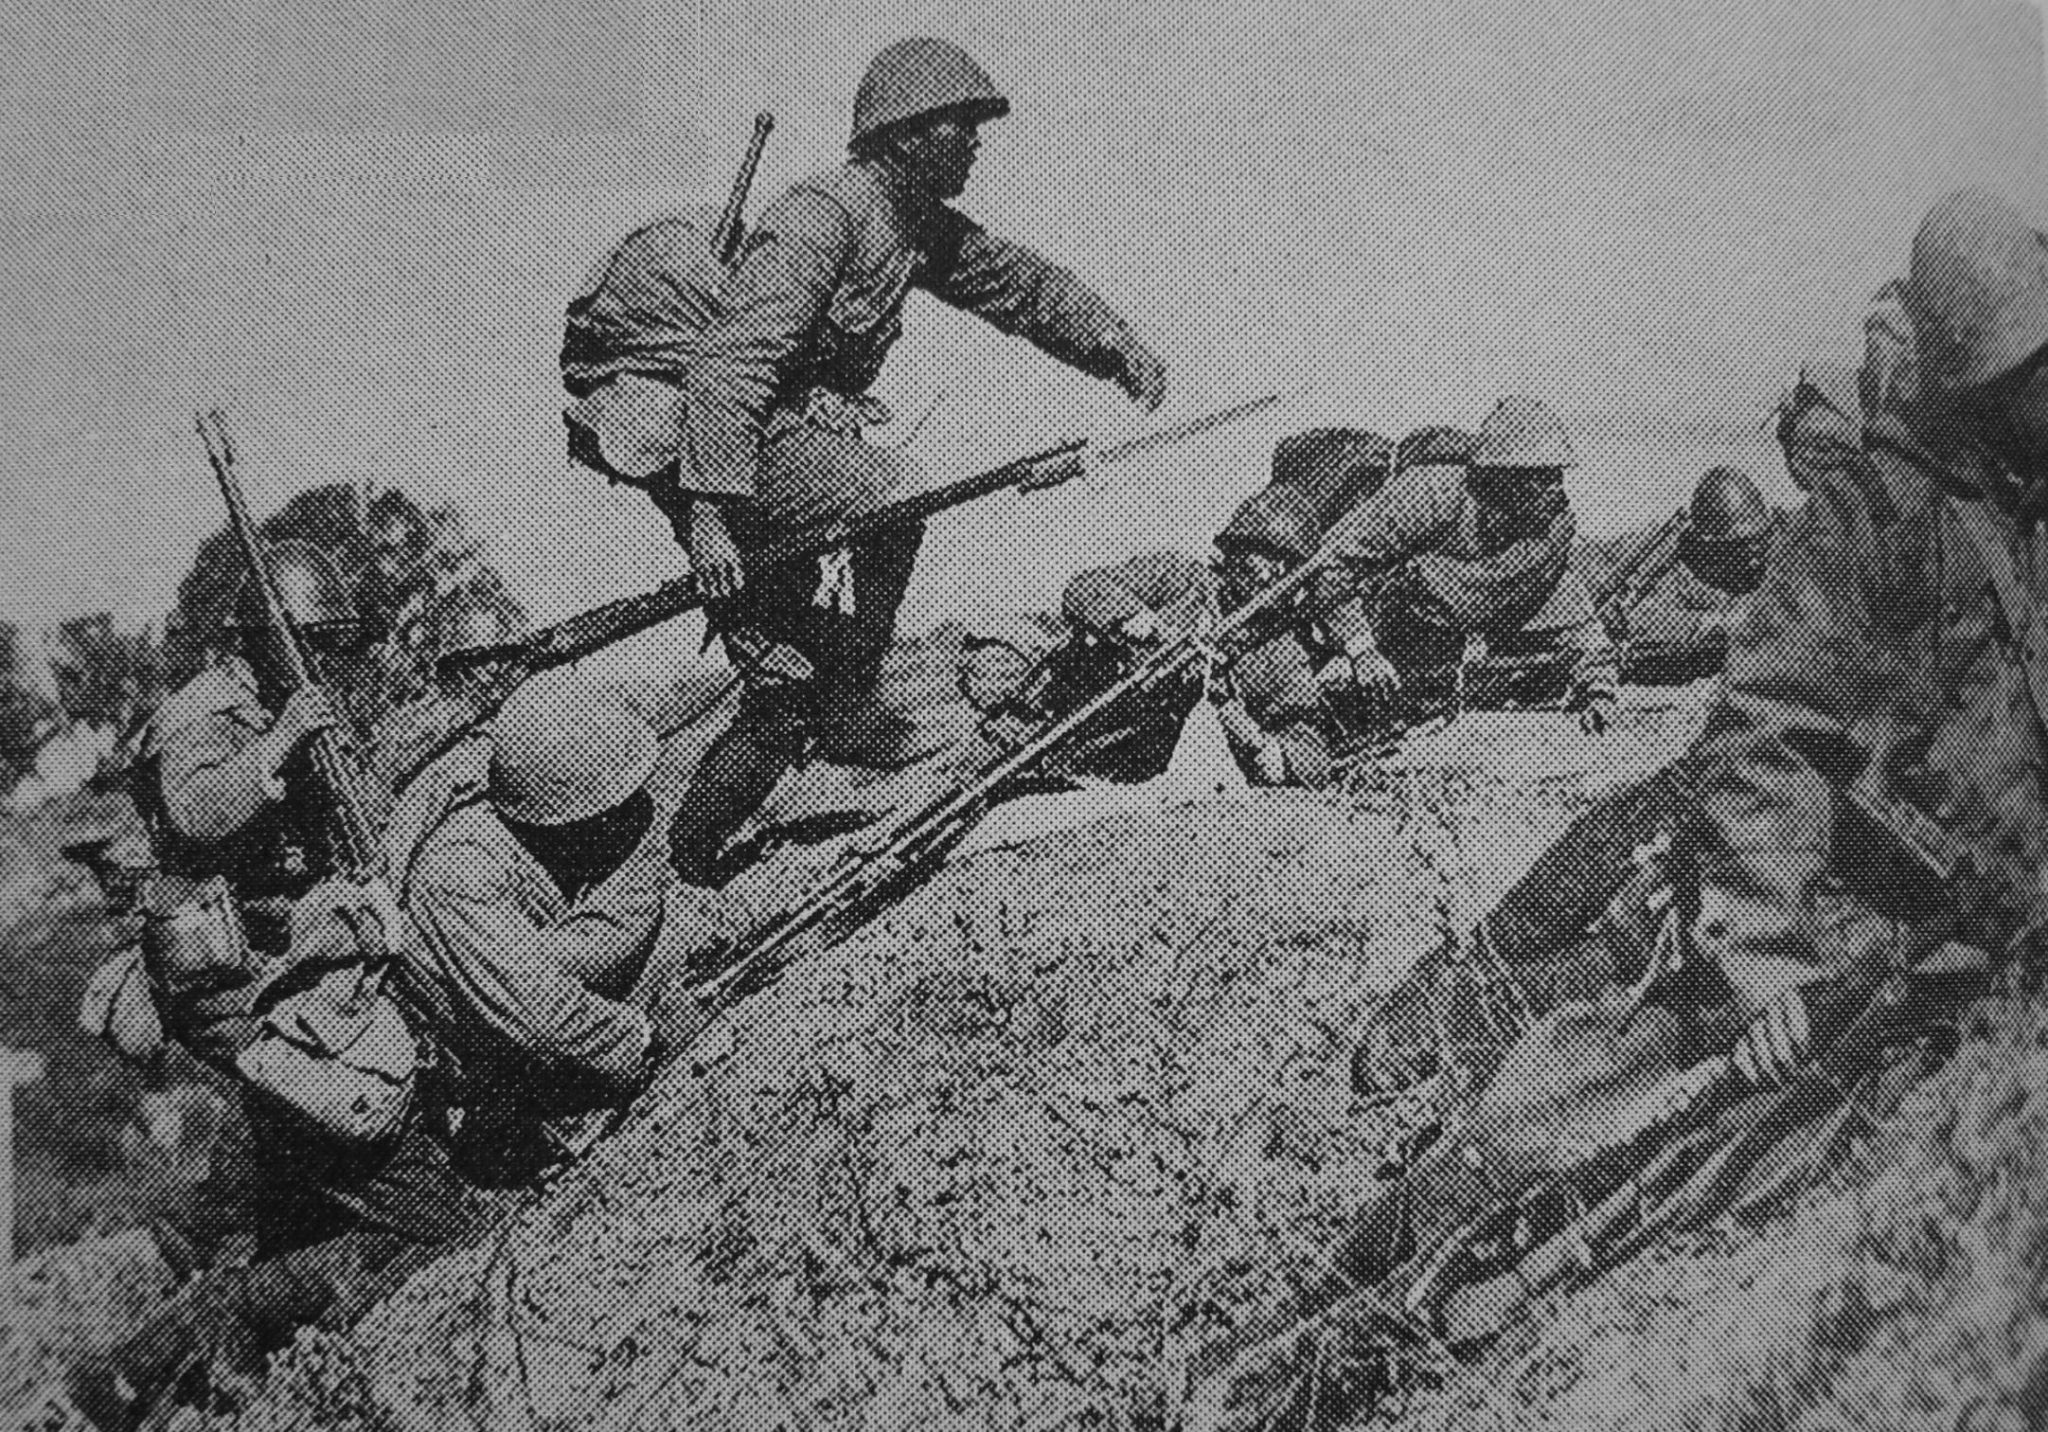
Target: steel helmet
564, 750
1977, 291
1278, 519
1727, 507
1523, 434
1436, 447
919, 79
308, 587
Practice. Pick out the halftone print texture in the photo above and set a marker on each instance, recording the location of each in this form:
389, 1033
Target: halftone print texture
957, 716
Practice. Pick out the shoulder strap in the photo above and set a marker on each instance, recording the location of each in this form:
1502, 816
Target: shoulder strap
2022, 611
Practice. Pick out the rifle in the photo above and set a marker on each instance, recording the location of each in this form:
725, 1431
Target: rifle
924, 831
352, 837
599, 627
1640, 569
725, 239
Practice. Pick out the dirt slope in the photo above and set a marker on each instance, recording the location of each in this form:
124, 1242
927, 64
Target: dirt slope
1002, 1158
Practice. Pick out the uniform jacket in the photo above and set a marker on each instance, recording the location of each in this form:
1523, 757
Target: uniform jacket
1877, 653
268, 863
1274, 672
1514, 585
815, 300
515, 977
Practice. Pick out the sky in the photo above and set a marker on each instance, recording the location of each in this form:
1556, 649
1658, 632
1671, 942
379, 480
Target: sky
356, 233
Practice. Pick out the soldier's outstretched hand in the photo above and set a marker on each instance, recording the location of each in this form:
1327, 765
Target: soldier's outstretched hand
1143, 375
1772, 1048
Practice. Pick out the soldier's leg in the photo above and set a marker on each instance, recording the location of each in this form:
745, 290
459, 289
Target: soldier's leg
767, 736
1573, 924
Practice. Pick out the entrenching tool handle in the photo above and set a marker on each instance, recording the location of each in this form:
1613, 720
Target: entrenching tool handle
725, 242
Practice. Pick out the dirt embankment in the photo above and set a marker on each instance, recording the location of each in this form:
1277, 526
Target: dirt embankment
1004, 1157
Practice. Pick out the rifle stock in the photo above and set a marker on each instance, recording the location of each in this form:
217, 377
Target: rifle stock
593, 630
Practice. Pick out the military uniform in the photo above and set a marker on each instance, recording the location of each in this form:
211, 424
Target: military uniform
1871, 784
526, 984
1439, 567
333, 1220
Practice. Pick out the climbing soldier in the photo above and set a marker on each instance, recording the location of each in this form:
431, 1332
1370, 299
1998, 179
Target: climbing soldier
528, 861
343, 1176
1676, 629
739, 408
1449, 555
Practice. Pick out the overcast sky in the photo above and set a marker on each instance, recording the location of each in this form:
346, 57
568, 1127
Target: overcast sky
357, 231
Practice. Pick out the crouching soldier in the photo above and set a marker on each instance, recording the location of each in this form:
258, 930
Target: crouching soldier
528, 860
1871, 792
737, 401
1676, 629
342, 1177
1447, 558
1282, 726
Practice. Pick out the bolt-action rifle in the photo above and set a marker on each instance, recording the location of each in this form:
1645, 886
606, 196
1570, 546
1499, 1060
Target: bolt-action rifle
599, 627
928, 830
725, 241
1677, 1154
345, 793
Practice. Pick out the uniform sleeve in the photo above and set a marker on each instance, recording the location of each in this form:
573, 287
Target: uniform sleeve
1676, 612
1806, 658
1410, 516
1022, 293
504, 976
606, 940
772, 303
1104, 598
203, 799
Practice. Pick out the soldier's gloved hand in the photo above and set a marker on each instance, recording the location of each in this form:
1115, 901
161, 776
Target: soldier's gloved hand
714, 556
1139, 371
1772, 1048
1141, 629
1371, 673
307, 712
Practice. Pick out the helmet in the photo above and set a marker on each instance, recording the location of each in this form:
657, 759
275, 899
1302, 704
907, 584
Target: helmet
1977, 291
1726, 537
1279, 519
564, 750
309, 588
1522, 433
920, 79
1433, 447
1727, 507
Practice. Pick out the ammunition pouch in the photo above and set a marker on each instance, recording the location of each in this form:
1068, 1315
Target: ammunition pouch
331, 1042
193, 938
119, 1008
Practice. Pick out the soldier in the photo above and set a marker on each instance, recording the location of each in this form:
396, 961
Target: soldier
528, 860
1444, 554
1871, 785
1282, 726
239, 851
1677, 629
741, 417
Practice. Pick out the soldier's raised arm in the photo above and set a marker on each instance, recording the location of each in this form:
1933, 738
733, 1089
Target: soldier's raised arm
1020, 292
